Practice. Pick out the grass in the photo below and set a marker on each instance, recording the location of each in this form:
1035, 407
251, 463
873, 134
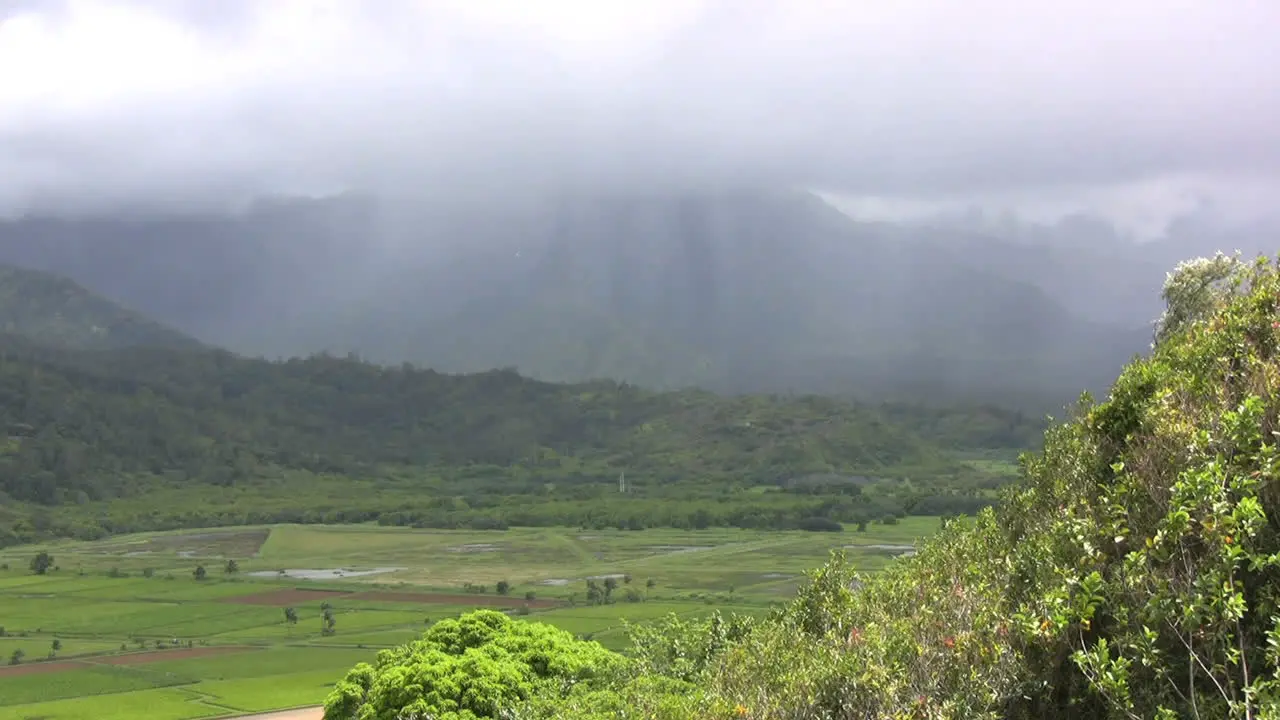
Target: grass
271, 693
169, 704
98, 599
95, 680
38, 647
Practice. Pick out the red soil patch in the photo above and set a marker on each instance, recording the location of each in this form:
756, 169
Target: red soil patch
39, 668
285, 598
453, 599
142, 658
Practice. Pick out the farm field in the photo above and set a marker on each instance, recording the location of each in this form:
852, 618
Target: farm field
126, 618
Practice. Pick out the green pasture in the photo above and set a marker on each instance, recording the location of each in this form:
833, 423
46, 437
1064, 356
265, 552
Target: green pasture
168, 704
139, 593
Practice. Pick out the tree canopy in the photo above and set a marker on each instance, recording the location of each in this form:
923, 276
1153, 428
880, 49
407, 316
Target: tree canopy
480, 665
123, 426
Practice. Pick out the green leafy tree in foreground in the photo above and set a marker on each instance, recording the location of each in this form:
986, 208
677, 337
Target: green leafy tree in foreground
481, 665
41, 563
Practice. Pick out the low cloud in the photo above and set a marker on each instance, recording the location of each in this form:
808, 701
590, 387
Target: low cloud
164, 103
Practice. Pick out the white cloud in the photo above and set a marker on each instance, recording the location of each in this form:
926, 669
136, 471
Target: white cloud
921, 99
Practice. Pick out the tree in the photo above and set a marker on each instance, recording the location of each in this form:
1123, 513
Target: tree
16, 657
1193, 290
503, 587
54, 647
529, 596
199, 573
291, 616
41, 563
327, 621
232, 567
480, 665
651, 583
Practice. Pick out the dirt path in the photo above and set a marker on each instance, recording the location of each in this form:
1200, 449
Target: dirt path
313, 713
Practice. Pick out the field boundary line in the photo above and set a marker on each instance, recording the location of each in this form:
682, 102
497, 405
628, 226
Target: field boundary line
199, 697
266, 714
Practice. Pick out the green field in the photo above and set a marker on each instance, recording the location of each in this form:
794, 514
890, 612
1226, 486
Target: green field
134, 624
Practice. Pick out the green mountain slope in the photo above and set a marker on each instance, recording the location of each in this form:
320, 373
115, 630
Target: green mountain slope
54, 310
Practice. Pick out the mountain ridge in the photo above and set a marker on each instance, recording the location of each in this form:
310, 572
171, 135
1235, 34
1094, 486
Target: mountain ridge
741, 291
56, 310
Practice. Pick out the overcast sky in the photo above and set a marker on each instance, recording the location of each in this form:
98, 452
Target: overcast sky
891, 103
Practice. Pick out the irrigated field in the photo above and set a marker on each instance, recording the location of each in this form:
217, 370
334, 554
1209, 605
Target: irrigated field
127, 618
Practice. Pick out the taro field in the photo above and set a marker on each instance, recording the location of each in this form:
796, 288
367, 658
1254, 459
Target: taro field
228, 622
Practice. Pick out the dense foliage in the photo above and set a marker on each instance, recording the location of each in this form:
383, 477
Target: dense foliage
1134, 571
476, 666
1132, 574
150, 438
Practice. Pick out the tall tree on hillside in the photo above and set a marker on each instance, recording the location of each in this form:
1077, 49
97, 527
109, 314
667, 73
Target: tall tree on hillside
199, 573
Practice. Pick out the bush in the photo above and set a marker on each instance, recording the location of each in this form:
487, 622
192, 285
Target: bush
1133, 572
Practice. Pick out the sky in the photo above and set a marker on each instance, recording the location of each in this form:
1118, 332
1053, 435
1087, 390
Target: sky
1133, 108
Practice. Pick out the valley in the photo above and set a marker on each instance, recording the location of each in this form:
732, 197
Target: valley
698, 360
139, 636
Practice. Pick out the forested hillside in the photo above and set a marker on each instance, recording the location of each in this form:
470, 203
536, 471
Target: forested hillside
1133, 572
55, 310
88, 427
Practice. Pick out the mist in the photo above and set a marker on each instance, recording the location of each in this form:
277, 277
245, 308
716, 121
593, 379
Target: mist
167, 105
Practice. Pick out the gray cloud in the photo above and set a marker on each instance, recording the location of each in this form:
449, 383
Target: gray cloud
918, 99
